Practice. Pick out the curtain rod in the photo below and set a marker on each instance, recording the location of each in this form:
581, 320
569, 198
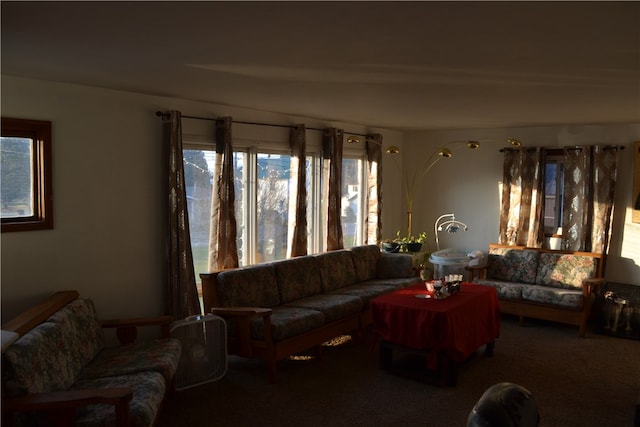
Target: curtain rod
160, 114
570, 147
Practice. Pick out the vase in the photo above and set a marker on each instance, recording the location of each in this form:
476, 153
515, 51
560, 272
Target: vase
391, 247
414, 247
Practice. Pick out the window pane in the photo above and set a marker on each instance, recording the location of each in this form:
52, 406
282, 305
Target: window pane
241, 179
272, 207
351, 212
198, 175
17, 177
553, 195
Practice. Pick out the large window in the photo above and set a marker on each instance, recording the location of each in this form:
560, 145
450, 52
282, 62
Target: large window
26, 195
554, 183
263, 192
352, 201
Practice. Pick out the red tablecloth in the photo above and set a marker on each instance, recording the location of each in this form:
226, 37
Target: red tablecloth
457, 325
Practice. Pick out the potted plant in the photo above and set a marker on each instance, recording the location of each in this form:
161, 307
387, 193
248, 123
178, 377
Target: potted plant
411, 243
391, 246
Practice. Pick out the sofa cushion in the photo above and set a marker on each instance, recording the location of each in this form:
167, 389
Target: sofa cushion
298, 278
332, 306
83, 326
565, 271
252, 286
365, 260
553, 296
38, 361
51, 355
397, 283
504, 290
287, 322
393, 266
366, 291
148, 391
513, 265
160, 355
336, 269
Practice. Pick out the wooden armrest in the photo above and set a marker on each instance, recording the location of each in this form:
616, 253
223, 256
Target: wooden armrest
39, 312
61, 405
241, 311
242, 317
127, 329
591, 286
479, 270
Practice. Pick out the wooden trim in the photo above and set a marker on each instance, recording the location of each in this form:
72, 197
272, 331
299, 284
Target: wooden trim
210, 295
40, 312
40, 132
60, 406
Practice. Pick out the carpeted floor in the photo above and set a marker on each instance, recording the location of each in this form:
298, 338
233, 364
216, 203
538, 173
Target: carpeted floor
592, 381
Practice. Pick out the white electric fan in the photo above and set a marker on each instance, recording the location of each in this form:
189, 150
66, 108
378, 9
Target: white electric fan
204, 350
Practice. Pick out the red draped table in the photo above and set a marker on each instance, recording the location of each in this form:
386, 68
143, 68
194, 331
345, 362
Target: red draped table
446, 332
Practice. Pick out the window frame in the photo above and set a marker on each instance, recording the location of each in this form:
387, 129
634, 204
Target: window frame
556, 156
39, 131
250, 149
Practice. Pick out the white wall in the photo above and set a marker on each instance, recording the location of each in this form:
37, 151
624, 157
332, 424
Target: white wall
108, 236
467, 184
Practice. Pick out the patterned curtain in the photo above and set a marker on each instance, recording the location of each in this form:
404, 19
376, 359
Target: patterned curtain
181, 293
223, 249
332, 185
298, 193
589, 187
373, 221
522, 210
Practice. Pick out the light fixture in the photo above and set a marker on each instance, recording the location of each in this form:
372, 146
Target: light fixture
353, 140
442, 152
410, 181
514, 142
450, 225
392, 149
473, 144
445, 152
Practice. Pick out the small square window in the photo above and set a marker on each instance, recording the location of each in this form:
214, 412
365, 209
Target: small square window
26, 201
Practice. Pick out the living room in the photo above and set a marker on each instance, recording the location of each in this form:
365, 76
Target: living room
108, 238
108, 223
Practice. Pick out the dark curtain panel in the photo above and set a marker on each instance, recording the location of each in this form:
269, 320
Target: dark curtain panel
182, 295
373, 220
223, 248
332, 185
589, 189
298, 195
522, 210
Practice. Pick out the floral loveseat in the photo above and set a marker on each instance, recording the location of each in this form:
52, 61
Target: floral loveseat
277, 309
59, 372
546, 284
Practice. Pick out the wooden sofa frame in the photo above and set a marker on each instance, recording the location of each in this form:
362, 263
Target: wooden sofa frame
60, 406
535, 310
243, 345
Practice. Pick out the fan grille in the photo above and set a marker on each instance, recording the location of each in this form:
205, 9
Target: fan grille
204, 350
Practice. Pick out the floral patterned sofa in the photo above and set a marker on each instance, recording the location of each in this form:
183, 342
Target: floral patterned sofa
546, 284
278, 309
59, 371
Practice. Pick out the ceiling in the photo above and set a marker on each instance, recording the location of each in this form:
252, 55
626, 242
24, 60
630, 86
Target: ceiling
396, 65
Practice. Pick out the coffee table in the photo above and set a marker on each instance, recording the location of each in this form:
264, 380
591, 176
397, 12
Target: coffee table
444, 333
